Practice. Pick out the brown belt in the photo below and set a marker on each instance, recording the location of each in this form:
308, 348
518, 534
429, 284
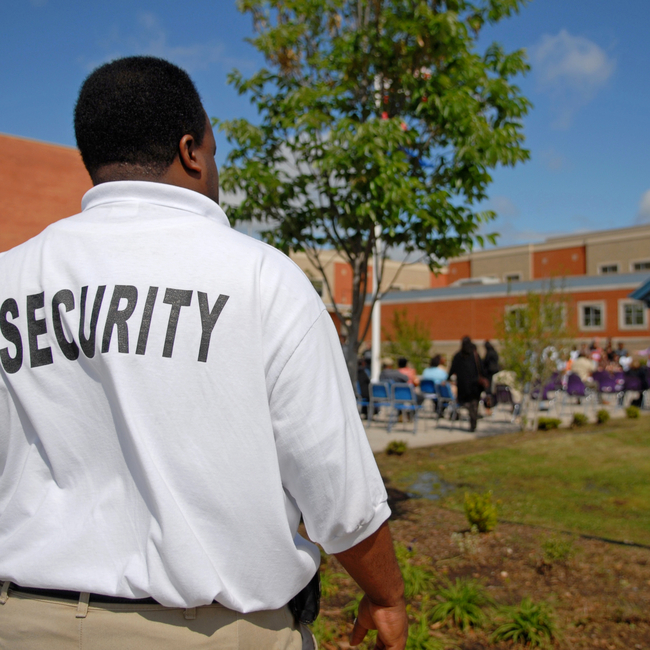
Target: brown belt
75, 595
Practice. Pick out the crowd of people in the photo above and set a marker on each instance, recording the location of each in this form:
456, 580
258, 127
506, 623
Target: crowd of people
473, 378
469, 376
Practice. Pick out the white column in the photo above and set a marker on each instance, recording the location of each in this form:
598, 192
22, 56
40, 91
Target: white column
375, 367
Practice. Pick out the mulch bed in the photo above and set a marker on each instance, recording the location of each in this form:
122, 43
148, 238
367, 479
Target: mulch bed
601, 596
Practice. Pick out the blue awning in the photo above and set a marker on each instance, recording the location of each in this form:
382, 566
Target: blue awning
642, 293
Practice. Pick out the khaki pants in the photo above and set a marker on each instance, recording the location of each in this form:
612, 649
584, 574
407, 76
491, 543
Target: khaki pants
30, 622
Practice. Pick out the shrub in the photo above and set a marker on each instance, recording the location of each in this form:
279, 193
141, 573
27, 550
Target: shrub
417, 579
632, 412
546, 424
461, 604
480, 511
579, 420
602, 417
557, 549
528, 623
396, 447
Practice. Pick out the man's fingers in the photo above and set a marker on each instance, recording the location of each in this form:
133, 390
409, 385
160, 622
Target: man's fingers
358, 633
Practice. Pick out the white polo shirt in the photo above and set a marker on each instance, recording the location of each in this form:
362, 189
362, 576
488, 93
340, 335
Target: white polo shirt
173, 397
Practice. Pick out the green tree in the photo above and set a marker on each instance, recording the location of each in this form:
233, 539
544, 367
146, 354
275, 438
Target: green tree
408, 338
534, 333
376, 118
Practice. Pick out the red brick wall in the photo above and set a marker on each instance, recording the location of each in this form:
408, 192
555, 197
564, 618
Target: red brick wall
563, 261
39, 183
451, 319
440, 280
459, 271
343, 283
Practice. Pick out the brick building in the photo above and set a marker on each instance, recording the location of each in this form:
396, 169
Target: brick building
41, 183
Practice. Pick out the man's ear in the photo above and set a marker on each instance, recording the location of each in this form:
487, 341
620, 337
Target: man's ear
187, 154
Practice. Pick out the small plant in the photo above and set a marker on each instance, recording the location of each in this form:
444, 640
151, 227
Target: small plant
557, 550
528, 623
632, 412
468, 543
579, 420
324, 631
420, 637
352, 608
329, 586
480, 511
417, 579
602, 417
396, 448
546, 424
461, 604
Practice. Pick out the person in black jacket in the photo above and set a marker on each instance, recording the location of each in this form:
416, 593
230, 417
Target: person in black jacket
465, 365
490, 368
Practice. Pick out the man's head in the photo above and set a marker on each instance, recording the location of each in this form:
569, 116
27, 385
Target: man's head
435, 361
141, 118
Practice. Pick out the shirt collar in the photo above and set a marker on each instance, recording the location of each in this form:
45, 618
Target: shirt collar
155, 194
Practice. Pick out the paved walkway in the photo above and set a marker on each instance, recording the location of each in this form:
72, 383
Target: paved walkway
431, 431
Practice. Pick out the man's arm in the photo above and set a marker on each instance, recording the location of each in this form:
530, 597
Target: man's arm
373, 565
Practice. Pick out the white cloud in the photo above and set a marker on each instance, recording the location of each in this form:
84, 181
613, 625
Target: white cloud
504, 207
150, 38
573, 69
643, 215
553, 159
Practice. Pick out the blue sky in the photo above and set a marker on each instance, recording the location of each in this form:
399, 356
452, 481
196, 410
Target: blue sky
588, 133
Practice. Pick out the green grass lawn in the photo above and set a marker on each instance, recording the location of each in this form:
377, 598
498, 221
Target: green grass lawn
595, 481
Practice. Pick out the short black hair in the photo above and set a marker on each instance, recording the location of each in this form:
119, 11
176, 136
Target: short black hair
402, 362
135, 111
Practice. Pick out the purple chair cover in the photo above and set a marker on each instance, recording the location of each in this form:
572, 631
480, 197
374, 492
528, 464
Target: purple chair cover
575, 387
606, 383
632, 383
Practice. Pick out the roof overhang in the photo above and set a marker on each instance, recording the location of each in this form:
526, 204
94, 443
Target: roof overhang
642, 293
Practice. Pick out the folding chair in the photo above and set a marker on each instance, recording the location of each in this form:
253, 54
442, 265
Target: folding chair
404, 401
608, 385
632, 384
575, 387
428, 391
379, 398
504, 396
362, 401
446, 399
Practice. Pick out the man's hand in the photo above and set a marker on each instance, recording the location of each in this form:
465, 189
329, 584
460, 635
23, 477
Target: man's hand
373, 566
390, 622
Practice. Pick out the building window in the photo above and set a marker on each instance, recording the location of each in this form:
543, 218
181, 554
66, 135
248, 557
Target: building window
513, 277
641, 266
592, 315
632, 315
515, 317
604, 269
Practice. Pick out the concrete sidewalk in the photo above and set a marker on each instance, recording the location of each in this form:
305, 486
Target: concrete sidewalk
433, 431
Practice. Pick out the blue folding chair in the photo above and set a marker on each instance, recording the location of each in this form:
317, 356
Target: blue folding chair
379, 398
446, 399
428, 391
404, 401
362, 401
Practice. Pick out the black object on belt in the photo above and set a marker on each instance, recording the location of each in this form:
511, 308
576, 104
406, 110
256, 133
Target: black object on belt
75, 595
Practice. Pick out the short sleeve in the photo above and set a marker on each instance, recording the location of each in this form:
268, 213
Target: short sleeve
325, 460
